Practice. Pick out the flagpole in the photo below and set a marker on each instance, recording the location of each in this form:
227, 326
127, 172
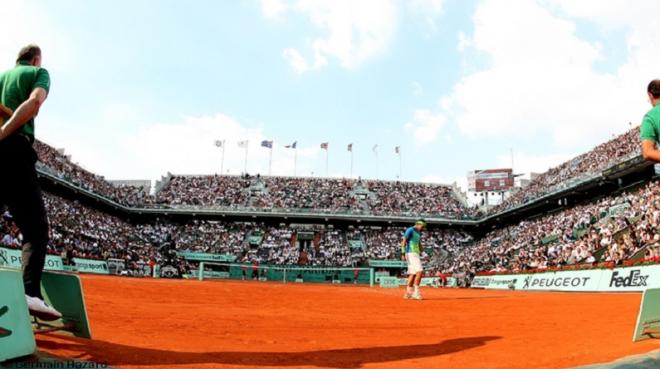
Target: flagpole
326, 161
400, 166
270, 159
375, 150
222, 162
351, 163
246, 153
295, 160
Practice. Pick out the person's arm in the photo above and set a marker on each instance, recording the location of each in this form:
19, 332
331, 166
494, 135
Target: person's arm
649, 151
649, 137
403, 249
26, 111
404, 241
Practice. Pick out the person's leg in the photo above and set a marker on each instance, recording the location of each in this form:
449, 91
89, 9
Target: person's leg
417, 281
27, 208
26, 205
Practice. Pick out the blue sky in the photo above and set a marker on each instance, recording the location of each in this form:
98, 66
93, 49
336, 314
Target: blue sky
145, 87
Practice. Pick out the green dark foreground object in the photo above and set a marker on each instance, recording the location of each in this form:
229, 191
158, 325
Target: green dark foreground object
63, 291
16, 336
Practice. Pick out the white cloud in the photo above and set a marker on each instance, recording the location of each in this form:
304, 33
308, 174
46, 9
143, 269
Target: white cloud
297, 62
432, 178
428, 10
425, 126
353, 32
273, 8
525, 163
186, 146
541, 80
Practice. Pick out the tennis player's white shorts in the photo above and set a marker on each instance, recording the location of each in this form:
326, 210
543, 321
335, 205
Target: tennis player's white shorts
414, 263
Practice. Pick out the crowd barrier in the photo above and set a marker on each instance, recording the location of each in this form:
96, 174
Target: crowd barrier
621, 279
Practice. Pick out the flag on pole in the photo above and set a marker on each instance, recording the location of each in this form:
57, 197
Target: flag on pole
324, 145
375, 148
242, 144
350, 147
266, 143
397, 150
292, 146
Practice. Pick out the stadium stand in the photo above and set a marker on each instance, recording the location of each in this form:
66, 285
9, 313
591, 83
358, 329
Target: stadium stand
587, 165
613, 228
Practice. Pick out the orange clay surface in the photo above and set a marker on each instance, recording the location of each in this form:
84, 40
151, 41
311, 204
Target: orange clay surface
147, 323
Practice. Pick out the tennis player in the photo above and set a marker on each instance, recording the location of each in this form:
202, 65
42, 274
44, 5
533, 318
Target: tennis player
411, 248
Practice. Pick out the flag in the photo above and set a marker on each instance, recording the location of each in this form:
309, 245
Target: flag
324, 145
375, 148
242, 144
292, 146
397, 150
350, 147
266, 143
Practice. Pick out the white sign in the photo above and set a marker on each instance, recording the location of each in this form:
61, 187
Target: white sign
633, 278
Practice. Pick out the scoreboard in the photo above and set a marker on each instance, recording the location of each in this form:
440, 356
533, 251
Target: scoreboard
490, 180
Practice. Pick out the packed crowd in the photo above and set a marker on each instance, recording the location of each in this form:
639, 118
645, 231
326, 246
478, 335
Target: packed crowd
326, 195
612, 230
413, 199
79, 231
58, 164
334, 195
319, 195
264, 193
601, 157
219, 191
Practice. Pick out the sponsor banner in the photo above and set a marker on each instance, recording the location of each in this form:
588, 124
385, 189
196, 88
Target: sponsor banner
634, 278
497, 282
12, 259
393, 282
631, 278
210, 274
91, 266
116, 266
578, 280
430, 281
387, 264
389, 282
200, 256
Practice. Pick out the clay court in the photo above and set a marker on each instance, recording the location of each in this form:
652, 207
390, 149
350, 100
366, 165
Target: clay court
146, 323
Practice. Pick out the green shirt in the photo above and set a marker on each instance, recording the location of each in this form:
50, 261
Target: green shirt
17, 84
650, 129
413, 238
